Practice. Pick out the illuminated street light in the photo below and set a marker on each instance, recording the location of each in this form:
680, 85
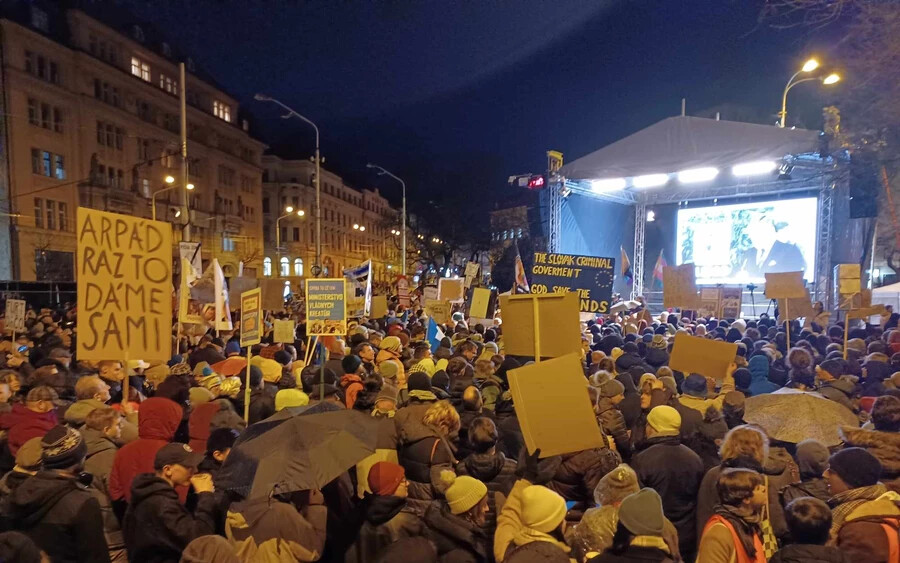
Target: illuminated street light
831, 79
170, 180
289, 209
808, 66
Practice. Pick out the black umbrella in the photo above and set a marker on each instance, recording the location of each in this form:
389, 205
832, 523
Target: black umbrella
305, 451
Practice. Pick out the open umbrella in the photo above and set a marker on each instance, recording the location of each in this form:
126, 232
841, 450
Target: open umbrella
235, 365
297, 453
792, 416
624, 306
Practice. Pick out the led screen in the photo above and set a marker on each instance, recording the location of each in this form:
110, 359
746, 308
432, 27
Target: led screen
741, 243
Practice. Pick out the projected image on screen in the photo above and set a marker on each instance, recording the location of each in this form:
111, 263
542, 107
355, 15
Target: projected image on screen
741, 243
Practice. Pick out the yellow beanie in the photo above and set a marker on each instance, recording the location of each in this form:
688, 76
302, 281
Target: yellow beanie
425, 365
615, 353
542, 509
270, 369
290, 398
665, 420
462, 492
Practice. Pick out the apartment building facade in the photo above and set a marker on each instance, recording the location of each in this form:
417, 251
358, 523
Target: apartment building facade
91, 118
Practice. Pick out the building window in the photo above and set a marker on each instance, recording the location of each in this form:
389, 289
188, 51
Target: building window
285, 268
222, 111
39, 66
63, 219
226, 176
267, 266
143, 146
296, 234
140, 69
298, 266
60, 169
227, 244
168, 84
51, 214
265, 205
145, 187
33, 112
38, 212
57, 120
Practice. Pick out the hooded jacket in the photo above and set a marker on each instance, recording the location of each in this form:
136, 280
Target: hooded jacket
352, 386
101, 452
423, 453
862, 537
79, 410
24, 424
496, 471
613, 424
199, 424
61, 516
579, 472
456, 538
885, 446
269, 531
157, 527
386, 519
512, 534
630, 407
159, 419
759, 376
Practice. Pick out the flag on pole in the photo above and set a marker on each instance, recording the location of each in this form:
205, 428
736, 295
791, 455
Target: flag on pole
521, 284
658, 269
434, 335
223, 310
626, 267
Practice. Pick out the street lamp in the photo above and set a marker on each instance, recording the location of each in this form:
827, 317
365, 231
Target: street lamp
317, 267
383, 172
808, 66
171, 186
288, 212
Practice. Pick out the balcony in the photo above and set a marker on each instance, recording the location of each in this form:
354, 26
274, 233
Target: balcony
107, 198
230, 224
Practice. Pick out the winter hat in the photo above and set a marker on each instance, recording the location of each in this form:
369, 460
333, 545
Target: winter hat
836, 367
286, 398
385, 477
611, 388
180, 369
641, 513
233, 347
351, 363
616, 353
812, 458
669, 383
464, 492
391, 344
659, 341
200, 395
426, 366
15, 546
388, 370
441, 380
856, 467
616, 485
209, 549
542, 509
694, 385
419, 381
62, 447
200, 369
29, 455
742, 378
665, 420
857, 345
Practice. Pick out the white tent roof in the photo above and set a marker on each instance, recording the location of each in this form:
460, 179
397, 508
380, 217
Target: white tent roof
893, 288
680, 143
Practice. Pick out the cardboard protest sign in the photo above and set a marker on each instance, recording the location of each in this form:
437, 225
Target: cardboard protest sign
847, 277
691, 354
326, 307
795, 308
471, 273
558, 325
359, 289
238, 285
785, 284
680, 287
439, 310
430, 293
190, 251
553, 407
859, 300
272, 294
284, 331
730, 299
482, 303
251, 317
15, 315
451, 290
379, 306
590, 277
403, 291
866, 312
124, 287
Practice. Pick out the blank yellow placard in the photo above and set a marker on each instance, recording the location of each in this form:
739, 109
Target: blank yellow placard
481, 298
692, 354
553, 407
786, 284
284, 331
451, 290
439, 310
795, 308
379, 306
680, 287
559, 324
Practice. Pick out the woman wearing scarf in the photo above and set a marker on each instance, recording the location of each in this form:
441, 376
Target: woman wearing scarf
733, 532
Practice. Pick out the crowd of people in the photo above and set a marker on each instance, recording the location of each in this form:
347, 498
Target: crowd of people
121, 461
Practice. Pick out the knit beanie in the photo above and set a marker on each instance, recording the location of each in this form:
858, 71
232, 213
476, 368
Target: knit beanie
233, 347
641, 513
388, 370
616, 485
441, 380
463, 492
286, 398
616, 352
180, 369
350, 363
665, 420
611, 388
419, 381
669, 383
200, 395
695, 386
385, 477
391, 344
856, 467
812, 458
542, 509
62, 447
200, 368
29, 455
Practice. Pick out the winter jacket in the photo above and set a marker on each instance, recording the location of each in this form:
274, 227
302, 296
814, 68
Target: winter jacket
816, 487
720, 542
385, 450
675, 472
701, 404
387, 519
23, 424
496, 471
410, 416
157, 527
78, 411
840, 391
352, 386
805, 553
61, 516
159, 419
594, 534
385, 356
537, 552
423, 454
512, 535
579, 472
457, 540
466, 417
208, 354
9, 483
101, 453
759, 376
630, 407
862, 536
199, 424
613, 424
657, 357
262, 405
269, 531
883, 445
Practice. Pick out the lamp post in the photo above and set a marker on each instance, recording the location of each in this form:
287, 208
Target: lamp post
288, 212
808, 66
171, 186
383, 172
317, 267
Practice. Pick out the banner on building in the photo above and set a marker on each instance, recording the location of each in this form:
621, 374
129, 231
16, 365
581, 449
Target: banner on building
326, 307
251, 317
359, 292
591, 277
15, 315
124, 287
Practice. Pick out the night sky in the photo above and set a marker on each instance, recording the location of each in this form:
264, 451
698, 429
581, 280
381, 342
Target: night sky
456, 96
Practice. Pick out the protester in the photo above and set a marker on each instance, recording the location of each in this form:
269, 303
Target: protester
883, 441
425, 450
733, 532
102, 428
809, 521
488, 465
458, 524
639, 532
812, 460
594, 533
32, 419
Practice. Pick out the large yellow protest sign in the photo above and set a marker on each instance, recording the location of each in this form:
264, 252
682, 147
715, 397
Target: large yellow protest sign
691, 354
680, 287
439, 310
785, 285
124, 287
553, 406
556, 331
379, 307
481, 299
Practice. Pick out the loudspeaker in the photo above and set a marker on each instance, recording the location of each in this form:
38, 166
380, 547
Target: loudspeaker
864, 187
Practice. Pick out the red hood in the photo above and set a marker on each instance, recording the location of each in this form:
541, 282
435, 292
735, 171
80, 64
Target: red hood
350, 378
199, 424
22, 414
158, 419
